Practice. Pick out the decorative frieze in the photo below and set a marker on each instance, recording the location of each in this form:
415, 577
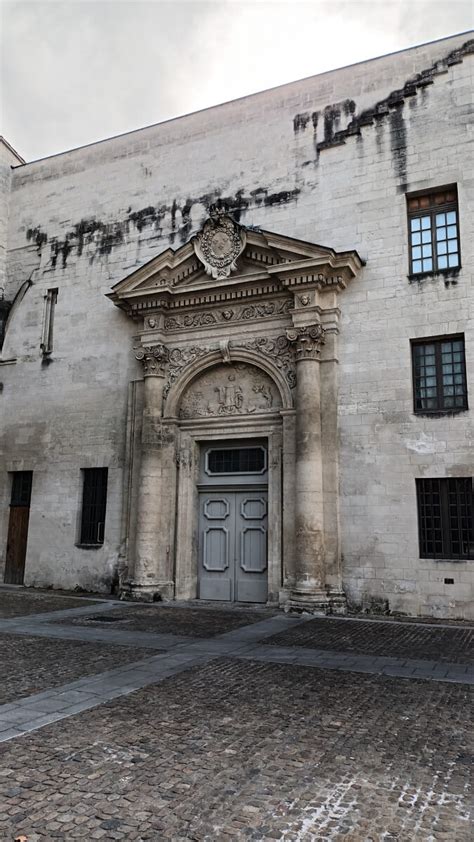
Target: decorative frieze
307, 341
249, 312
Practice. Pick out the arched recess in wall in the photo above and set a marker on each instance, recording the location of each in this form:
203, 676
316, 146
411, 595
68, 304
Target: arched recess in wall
213, 359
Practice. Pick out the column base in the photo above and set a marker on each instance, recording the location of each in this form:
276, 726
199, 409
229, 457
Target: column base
316, 602
149, 592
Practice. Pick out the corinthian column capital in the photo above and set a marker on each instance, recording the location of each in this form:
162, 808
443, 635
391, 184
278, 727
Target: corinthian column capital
307, 340
153, 359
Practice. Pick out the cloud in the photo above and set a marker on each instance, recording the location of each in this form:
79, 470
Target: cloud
75, 72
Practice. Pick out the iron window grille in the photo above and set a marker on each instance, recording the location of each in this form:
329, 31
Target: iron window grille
239, 460
21, 488
94, 501
433, 227
439, 375
446, 518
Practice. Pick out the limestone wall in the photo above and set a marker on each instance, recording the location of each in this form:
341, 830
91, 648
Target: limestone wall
286, 160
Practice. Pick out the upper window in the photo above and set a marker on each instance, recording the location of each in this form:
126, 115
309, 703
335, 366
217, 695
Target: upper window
434, 231
236, 460
439, 375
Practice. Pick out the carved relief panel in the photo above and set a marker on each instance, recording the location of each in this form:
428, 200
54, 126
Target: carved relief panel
226, 390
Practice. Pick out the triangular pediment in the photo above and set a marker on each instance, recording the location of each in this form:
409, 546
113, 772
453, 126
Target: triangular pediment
223, 255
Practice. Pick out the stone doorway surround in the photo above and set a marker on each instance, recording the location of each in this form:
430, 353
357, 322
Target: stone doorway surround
237, 337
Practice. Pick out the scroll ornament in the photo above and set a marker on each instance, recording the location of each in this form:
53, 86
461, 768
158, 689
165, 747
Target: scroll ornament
153, 358
307, 341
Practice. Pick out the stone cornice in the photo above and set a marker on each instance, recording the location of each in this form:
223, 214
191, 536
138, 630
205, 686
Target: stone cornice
269, 264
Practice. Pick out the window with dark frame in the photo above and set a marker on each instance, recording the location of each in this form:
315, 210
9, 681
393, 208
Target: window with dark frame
240, 460
94, 501
446, 518
439, 375
433, 227
21, 488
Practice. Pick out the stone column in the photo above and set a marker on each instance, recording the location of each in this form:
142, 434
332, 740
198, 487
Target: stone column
151, 563
309, 591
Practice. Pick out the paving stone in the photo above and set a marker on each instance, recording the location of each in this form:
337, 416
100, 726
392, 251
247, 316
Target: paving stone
189, 622
225, 749
29, 665
400, 640
24, 603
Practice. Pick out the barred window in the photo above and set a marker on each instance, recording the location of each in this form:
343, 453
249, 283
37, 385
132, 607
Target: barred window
446, 518
434, 231
239, 460
439, 375
94, 501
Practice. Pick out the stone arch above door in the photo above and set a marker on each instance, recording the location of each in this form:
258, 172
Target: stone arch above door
230, 389
246, 384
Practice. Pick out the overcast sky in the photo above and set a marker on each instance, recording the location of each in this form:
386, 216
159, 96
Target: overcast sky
76, 71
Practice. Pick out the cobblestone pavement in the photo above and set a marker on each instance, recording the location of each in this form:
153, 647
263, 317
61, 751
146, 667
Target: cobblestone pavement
31, 664
160, 619
21, 603
222, 737
400, 640
235, 750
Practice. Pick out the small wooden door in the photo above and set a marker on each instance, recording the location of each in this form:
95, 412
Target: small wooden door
18, 527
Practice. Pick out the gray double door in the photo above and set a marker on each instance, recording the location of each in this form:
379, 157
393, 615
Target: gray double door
233, 545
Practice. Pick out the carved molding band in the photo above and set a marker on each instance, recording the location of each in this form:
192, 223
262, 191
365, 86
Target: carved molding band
153, 359
307, 341
246, 313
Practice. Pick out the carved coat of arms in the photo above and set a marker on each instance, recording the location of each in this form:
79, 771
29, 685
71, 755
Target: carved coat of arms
219, 244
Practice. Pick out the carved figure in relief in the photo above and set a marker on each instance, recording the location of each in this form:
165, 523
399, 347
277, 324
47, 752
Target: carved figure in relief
266, 394
228, 390
230, 398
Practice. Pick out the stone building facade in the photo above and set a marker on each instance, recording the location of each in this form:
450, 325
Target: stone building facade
238, 349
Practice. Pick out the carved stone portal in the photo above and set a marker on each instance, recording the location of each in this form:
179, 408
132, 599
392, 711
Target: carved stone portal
225, 390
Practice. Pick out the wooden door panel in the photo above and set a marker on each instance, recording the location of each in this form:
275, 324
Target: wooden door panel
216, 553
16, 544
251, 569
